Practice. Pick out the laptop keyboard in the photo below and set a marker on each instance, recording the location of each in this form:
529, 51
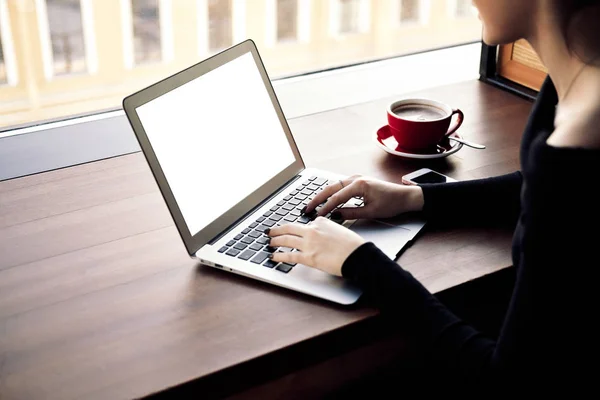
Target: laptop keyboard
251, 243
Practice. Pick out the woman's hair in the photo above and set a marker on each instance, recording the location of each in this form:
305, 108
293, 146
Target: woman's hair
581, 26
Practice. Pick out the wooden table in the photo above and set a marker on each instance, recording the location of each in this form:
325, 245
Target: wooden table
98, 298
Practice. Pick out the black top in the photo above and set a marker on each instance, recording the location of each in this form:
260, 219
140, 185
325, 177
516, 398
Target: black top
554, 203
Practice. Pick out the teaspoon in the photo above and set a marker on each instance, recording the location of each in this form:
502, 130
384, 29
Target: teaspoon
467, 143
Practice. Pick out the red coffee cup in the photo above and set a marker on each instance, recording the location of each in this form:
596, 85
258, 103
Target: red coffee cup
421, 124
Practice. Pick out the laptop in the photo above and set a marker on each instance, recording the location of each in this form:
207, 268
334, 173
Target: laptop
227, 166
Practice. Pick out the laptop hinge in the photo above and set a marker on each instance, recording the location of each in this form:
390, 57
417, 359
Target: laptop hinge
243, 217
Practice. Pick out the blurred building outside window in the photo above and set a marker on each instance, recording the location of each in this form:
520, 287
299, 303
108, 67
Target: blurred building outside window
66, 57
146, 31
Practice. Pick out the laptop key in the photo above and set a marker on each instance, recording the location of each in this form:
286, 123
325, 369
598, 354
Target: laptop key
246, 231
230, 243
270, 249
263, 240
268, 214
248, 240
253, 225
269, 263
248, 254
290, 218
223, 249
256, 247
255, 234
240, 246
289, 207
281, 212
274, 208
260, 219
238, 237
306, 192
312, 178
296, 213
260, 257
233, 252
285, 268
301, 196
269, 223
262, 228
293, 202
286, 198
304, 219
295, 192
312, 186
319, 181
275, 217
281, 203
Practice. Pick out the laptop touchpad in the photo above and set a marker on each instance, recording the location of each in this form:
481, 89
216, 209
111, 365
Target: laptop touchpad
389, 238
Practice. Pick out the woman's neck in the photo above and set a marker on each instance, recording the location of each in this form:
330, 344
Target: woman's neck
570, 75
549, 43
576, 82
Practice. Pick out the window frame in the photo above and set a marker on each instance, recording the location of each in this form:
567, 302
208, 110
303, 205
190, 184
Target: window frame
238, 25
489, 73
165, 10
43, 141
89, 41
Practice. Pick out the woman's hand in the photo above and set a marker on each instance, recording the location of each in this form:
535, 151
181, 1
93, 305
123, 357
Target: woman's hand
323, 244
381, 199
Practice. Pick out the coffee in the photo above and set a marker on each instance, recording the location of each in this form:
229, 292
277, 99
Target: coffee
420, 124
419, 112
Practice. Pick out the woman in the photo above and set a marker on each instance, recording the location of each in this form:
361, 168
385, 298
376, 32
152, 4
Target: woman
552, 200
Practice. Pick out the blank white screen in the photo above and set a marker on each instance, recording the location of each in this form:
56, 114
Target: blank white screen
217, 138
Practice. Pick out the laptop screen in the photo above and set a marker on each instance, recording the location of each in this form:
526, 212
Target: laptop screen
217, 138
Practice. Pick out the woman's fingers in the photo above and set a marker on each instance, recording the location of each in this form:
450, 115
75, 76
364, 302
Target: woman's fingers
323, 195
349, 213
295, 257
287, 229
289, 235
328, 192
293, 242
340, 197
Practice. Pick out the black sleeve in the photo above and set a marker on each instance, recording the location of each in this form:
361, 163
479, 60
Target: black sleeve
396, 292
482, 201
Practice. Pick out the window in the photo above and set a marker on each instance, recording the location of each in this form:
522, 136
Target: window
349, 16
464, 8
519, 63
287, 20
104, 50
220, 32
409, 11
3, 78
66, 36
146, 31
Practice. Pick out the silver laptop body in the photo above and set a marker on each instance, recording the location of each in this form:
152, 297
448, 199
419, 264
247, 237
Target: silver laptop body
226, 163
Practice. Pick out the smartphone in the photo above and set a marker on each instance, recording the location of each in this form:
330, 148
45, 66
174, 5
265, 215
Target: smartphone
425, 175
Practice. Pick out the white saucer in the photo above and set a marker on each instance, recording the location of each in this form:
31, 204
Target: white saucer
384, 139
